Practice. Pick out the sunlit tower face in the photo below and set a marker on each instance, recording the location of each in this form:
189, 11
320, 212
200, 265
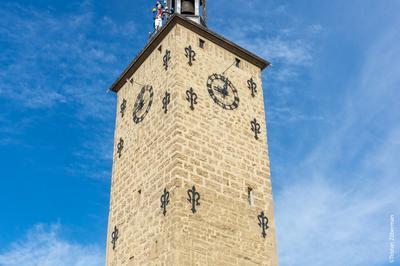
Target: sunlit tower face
191, 179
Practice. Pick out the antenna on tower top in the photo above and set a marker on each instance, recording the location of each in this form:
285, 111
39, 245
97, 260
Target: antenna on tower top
204, 4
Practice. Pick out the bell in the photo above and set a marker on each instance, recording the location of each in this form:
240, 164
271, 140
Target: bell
188, 7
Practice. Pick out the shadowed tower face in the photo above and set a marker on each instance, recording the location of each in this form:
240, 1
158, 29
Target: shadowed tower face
191, 177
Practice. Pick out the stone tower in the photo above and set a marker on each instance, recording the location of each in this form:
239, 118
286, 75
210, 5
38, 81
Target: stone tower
191, 178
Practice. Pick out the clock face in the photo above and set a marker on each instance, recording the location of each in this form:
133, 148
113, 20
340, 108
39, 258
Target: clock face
223, 92
143, 104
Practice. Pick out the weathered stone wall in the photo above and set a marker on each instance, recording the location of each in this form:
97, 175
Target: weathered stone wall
209, 147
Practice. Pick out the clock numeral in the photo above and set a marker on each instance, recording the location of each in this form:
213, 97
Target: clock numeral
164, 201
256, 128
123, 107
120, 147
252, 87
166, 101
190, 55
114, 237
194, 198
138, 120
191, 97
263, 223
235, 104
166, 59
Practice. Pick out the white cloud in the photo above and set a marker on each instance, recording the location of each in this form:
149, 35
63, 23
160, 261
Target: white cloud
52, 58
284, 39
335, 207
43, 246
279, 47
289, 43
323, 222
38, 99
69, 59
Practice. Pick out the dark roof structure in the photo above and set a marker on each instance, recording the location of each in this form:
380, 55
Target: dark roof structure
195, 27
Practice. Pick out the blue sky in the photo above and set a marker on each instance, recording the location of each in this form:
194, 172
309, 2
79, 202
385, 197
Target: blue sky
332, 100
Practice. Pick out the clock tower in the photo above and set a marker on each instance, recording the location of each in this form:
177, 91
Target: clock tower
191, 175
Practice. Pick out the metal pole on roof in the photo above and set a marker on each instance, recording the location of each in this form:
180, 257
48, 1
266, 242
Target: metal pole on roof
205, 11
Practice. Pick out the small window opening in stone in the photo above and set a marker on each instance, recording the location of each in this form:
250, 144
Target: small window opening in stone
250, 196
201, 43
237, 62
160, 48
140, 191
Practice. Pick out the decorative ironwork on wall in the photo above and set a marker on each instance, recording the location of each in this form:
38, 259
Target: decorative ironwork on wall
165, 101
252, 87
191, 97
123, 107
256, 128
166, 59
194, 198
114, 237
120, 147
263, 223
190, 55
164, 201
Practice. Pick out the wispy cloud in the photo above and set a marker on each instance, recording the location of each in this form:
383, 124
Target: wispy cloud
288, 46
50, 58
43, 246
290, 43
94, 157
10, 130
334, 208
64, 59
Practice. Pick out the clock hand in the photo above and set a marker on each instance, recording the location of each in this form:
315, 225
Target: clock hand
226, 88
223, 90
140, 103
